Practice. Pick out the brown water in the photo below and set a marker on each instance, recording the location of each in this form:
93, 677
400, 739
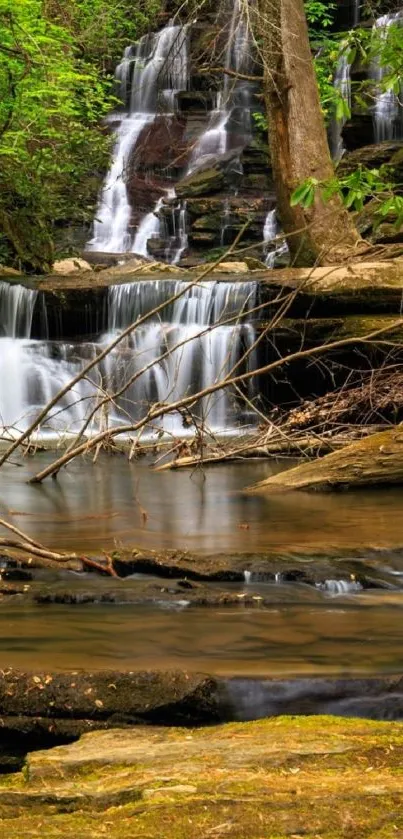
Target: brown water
297, 638
92, 506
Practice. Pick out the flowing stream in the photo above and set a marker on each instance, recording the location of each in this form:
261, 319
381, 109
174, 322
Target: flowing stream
337, 627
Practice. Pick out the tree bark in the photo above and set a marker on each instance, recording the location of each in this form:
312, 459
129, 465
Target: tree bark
297, 135
375, 461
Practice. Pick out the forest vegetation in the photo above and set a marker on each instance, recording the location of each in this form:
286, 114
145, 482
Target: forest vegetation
57, 60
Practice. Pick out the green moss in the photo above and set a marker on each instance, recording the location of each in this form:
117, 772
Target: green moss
313, 776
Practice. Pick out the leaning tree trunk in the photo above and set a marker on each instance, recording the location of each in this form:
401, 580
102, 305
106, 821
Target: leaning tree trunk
297, 135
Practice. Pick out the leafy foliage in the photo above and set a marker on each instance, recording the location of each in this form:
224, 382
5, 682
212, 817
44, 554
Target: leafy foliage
356, 189
55, 89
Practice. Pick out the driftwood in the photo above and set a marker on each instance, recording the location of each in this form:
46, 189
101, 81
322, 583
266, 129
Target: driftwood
38, 554
376, 460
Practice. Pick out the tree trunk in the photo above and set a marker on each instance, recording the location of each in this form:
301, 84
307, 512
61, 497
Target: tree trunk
297, 135
375, 461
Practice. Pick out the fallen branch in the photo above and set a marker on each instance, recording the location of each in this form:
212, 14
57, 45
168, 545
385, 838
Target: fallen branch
26, 544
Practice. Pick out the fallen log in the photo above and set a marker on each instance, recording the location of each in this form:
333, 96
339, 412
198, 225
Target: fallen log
376, 460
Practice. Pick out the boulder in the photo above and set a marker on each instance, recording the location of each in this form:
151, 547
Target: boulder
231, 268
70, 266
375, 156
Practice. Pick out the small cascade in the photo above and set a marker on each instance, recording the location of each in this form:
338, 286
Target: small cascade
194, 355
259, 577
342, 83
176, 232
226, 218
149, 78
388, 110
16, 310
279, 250
338, 587
230, 121
149, 228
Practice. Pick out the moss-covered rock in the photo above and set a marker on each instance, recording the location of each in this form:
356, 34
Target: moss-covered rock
314, 777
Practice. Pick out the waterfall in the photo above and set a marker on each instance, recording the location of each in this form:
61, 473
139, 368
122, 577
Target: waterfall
342, 83
230, 122
33, 371
388, 110
149, 78
16, 310
231, 118
176, 236
200, 359
271, 230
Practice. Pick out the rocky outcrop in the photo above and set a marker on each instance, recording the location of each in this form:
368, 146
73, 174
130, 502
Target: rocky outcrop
313, 777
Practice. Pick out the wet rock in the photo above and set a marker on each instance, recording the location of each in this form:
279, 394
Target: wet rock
217, 173
372, 569
15, 574
271, 778
375, 156
165, 697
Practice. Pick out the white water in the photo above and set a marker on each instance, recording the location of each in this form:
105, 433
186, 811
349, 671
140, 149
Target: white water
338, 587
149, 78
388, 110
16, 310
271, 230
231, 117
342, 83
32, 372
194, 360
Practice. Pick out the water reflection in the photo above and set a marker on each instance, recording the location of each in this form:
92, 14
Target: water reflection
93, 506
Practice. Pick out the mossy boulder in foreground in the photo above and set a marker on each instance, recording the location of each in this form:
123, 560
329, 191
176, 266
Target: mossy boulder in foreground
314, 777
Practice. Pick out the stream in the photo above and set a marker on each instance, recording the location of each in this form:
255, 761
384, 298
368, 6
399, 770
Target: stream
300, 629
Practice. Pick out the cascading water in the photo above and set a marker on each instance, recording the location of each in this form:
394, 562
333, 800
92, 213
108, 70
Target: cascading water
231, 118
230, 122
342, 83
196, 355
388, 110
33, 371
278, 250
149, 78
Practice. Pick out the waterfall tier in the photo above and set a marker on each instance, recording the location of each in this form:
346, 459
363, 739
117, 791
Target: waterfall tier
170, 130
190, 345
